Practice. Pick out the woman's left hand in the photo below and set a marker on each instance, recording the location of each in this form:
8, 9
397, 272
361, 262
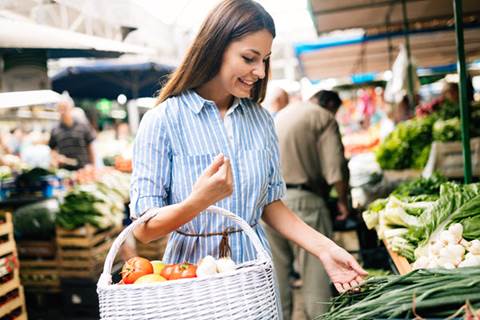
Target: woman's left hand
342, 268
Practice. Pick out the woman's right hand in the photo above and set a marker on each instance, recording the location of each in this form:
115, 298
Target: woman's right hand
215, 183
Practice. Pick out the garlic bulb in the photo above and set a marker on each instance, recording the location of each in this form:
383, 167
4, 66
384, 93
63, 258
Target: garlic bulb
456, 230
475, 247
421, 263
207, 267
470, 261
447, 238
225, 265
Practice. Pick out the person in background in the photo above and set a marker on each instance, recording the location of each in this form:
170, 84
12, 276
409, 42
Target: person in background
312, 159
36, 153
71, 141
450, 92
279, 100
209, 142
387, 124
14, 141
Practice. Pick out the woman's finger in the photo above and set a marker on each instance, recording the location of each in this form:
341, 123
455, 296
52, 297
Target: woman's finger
357, 268
222, 171
215, 165
339, 287
355, 285
346, 286
359, 279
229, 173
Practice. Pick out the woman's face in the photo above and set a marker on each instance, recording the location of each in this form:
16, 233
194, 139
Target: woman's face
244, 63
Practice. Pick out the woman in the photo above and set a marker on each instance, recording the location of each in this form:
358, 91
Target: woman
210, 143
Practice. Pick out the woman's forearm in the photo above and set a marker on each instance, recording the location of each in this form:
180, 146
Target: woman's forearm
283, 220
168, 219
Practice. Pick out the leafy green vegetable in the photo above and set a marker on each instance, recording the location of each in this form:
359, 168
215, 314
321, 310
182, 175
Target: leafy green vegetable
447, 130
471, 227
77, 210
421, 186
36, 221
406, 146
434, 294
456, 203
377, 205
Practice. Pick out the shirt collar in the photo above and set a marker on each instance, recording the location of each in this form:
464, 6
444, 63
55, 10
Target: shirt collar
63, 125
193, 100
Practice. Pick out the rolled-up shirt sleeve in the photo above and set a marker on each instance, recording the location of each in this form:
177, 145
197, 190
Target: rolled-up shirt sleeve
152, 158
276, 185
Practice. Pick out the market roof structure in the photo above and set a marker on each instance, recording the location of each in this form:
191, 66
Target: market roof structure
343, 57
331, 15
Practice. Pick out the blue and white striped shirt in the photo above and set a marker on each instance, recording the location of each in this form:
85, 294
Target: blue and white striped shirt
178, 140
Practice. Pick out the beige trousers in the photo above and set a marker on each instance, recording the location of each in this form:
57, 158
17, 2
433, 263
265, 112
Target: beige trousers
315, 290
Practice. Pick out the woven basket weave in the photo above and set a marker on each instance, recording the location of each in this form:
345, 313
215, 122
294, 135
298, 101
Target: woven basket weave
247, 293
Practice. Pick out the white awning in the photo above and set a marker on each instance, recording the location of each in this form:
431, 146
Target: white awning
330, 15
28, 98
22, 34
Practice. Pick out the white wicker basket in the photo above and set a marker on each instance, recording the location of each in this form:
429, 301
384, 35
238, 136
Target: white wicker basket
247, 293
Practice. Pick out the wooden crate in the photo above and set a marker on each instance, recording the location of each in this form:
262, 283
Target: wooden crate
447, 159
12, 304
7, 243
15, 306
40, 274
153, 250
37, 249
401, 263
82, 251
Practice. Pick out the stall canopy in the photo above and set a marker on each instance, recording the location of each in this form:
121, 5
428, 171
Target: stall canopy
330, 15
334, 57
28, 98
18, 34
108, 79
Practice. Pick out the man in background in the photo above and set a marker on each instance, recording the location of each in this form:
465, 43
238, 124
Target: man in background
278, 100
71, 141
312, 160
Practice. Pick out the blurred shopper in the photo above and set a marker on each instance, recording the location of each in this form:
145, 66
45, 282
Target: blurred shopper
71, 141
279, 101
209, 142
14, 141
312, 159
36, 152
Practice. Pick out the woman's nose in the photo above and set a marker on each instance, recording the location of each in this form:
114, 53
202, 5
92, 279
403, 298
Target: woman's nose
259, 71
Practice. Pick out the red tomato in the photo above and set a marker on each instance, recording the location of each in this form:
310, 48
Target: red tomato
184, 270
134, 268
167, 271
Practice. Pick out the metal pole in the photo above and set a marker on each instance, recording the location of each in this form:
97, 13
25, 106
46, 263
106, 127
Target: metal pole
406, 31
388, 19
464, 103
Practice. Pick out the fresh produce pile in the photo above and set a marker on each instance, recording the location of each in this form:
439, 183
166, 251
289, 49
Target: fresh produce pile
408, 146
442, 228
438, 293
100, 203
138, 270
36, 221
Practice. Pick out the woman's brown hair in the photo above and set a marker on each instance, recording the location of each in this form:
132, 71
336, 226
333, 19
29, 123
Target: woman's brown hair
227, 22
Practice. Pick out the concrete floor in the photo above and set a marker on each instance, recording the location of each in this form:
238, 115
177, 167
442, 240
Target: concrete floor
298, 306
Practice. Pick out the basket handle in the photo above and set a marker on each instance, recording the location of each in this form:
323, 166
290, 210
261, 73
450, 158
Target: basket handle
106, 277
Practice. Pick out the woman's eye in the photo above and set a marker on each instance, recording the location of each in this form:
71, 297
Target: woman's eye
248, 60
